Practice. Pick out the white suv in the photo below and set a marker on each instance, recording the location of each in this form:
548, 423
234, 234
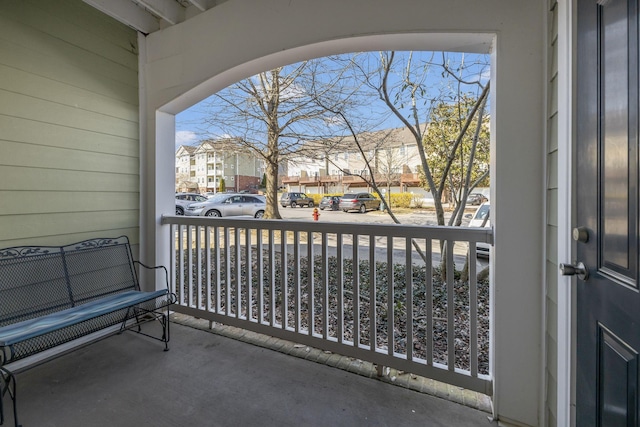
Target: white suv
185, 199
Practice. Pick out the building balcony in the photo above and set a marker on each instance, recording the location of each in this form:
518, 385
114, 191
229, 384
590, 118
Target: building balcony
290, 179
412, 179
330, 178
309, 180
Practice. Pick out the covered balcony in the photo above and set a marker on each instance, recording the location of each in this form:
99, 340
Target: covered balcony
89, 107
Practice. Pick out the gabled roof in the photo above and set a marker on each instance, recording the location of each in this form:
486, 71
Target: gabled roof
186, 150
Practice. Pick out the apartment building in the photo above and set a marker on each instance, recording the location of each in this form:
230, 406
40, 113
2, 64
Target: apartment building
391, 154
205, 167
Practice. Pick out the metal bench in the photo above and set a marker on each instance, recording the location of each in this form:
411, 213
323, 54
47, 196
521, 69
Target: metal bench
53, 295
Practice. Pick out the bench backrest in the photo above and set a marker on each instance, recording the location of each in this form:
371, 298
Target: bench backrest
40, 280
32, 283
100, 267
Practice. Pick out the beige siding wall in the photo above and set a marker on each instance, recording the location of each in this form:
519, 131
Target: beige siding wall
551, 300
69, 151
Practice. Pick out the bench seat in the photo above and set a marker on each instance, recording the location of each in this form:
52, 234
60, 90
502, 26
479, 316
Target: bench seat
22, 331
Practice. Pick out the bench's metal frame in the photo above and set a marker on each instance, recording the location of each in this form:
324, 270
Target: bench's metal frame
63, 280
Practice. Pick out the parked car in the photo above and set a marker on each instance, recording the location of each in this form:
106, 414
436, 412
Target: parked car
329, 202
296, 199
226, 204
360, 202
481, 218
185, 199
476, 199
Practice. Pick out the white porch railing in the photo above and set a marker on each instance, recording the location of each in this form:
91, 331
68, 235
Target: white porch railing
369, 291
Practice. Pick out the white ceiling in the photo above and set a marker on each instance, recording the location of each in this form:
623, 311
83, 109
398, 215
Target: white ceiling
148, 16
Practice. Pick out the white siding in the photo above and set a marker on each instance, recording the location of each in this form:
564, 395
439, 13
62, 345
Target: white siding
69, 151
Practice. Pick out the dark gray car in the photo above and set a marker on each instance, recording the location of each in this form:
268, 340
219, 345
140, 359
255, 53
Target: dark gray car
360, 202
329, 202
296, 199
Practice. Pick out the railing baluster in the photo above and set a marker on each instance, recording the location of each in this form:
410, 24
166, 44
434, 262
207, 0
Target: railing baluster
260, 267
340, 279
373, 320
390, 298
451, 338
238, 270
207, 254
297, 304
248, 268
408, 274
190, 265
429, 294
325, 287
356, 292
198, 254
227, 279
473, 310
272, 282
285, 278
216, 257
310, 284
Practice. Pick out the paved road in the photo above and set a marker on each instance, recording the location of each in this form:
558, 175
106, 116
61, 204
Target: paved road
417, 217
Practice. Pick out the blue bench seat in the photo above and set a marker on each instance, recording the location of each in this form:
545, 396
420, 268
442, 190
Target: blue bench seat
27, 329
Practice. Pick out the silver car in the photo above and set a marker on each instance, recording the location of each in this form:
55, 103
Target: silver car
226, 204
183, 200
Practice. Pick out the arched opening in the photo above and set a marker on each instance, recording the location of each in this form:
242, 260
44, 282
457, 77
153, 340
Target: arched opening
179, 65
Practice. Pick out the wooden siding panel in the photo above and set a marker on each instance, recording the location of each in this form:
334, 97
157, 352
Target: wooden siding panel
53, 135
551, 277
65, 94
56, 68
76, 236
32, 203
552, 207
42, 28
69, 150
27, 107
55, 50
552, 170
15, 178
93, 22
16, 229
552, 243
36, 156
552, 137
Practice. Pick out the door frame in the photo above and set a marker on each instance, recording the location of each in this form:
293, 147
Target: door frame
566, 332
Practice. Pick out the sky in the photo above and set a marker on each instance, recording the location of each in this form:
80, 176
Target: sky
190, 128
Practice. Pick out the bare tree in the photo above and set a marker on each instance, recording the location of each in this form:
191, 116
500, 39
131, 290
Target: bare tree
274, 112
411, 90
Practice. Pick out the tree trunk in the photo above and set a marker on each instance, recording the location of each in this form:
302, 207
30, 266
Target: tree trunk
271, 192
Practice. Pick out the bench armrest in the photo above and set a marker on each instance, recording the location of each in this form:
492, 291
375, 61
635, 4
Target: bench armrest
166, 273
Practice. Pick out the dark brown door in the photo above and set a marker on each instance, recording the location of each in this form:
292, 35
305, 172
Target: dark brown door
608, 301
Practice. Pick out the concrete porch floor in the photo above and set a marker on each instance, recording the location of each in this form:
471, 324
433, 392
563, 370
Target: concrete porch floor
207, 379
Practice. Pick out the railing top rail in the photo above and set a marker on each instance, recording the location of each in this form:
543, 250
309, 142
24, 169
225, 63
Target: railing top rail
468, 234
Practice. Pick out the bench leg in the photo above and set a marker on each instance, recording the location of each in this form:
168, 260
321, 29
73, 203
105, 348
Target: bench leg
158, 315
8, 385
165, 330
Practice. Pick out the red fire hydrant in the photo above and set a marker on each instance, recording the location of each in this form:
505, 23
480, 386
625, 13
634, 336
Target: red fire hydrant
315, 214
